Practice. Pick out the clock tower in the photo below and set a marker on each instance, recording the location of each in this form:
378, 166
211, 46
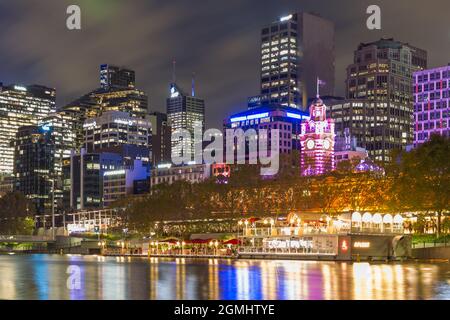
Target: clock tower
317, 141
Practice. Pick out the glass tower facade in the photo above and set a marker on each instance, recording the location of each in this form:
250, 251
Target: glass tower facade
379, 89
295, 51
117, 92
20, 106
34, 167
184, 112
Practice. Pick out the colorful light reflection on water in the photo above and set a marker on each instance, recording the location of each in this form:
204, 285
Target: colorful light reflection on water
45, 277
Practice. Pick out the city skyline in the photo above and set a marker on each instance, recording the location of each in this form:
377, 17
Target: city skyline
225, 78
245, 152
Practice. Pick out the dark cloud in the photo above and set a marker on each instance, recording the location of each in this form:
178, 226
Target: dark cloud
218, 40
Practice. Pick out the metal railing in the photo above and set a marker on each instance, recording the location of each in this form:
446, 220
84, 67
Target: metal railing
26, 238
424, 244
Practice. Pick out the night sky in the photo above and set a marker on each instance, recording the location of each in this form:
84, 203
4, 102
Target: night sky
218, 40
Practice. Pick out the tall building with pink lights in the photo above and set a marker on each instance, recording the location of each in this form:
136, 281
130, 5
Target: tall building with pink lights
431, 103
317, 141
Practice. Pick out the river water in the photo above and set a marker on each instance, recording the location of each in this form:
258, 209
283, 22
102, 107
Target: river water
96, 277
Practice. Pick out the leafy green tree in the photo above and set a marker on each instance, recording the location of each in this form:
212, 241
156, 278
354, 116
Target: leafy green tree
422, 182
16, 214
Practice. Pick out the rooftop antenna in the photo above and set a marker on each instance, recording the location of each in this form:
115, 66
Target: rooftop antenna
318, 88
193, 84
174, 66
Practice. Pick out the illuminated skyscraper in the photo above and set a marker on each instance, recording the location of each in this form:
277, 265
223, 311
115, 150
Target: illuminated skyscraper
295, 51
20, 106
116, 77
379, 111
317, 141
60, 127
117, 92
184, 112
34, 167
115, 128
431, 103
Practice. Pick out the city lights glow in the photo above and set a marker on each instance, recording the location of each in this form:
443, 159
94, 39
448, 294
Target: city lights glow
286, 18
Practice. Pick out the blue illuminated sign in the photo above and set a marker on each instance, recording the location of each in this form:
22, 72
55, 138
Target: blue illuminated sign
46, 127
250, 117
294, 115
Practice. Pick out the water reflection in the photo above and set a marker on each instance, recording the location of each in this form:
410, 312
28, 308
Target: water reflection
45, 277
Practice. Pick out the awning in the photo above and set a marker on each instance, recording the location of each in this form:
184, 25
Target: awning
232, 241
198, 241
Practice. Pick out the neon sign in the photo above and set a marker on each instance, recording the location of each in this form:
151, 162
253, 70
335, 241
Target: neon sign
174, 93
295, 244
125, 122
294, 115
89, 125
361, 244
250, 117
114, 173
286, 18
20, 88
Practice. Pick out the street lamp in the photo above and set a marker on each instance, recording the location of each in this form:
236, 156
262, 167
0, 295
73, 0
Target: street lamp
121, 244
102, 244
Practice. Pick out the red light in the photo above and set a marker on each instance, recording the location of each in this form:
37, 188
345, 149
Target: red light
344, 245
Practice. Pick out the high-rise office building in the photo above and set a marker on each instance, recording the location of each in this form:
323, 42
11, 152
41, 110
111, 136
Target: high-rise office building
117, 92
184, 111
286, 120
116, 77
84, 178
379, 88
114, 128
130, 100
161, 135
431, 103
20, 106
60, 126
78, 111
34, 156
295, 51
94, 180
